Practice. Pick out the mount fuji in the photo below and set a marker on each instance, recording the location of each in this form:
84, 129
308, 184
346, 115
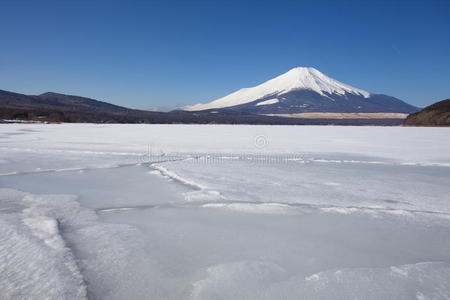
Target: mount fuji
303, 90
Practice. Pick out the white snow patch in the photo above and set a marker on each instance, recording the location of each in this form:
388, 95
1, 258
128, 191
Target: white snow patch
256, 208
340, 210
267, 102
34, 258
171, 175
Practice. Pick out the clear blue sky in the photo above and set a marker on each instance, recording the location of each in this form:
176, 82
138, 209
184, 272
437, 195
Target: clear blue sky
165, 53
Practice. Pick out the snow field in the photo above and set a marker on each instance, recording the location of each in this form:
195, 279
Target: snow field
316, 213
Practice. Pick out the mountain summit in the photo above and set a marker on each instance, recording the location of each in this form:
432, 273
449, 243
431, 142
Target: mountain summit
305, 89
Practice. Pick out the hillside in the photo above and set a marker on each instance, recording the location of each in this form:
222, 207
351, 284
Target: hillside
437, 114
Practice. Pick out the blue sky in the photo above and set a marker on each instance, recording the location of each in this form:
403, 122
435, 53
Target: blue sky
167, 53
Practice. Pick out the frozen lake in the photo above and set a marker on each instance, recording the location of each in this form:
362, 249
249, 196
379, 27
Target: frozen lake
224, 212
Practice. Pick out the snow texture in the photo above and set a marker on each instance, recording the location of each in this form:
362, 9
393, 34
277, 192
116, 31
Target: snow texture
223, 212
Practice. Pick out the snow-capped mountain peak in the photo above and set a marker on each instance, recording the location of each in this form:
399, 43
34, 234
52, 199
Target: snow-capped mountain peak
300, 78
312, 79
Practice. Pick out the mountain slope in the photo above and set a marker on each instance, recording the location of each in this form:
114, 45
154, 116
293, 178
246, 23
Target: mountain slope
56, 101
66, 108
55, 107
437, 114
305, 90
70, 102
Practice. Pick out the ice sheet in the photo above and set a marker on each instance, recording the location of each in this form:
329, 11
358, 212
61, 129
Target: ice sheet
224, 212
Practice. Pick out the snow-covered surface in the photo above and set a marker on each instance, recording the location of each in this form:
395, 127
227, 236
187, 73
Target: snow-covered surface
224, 212
267, 102
301, 78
